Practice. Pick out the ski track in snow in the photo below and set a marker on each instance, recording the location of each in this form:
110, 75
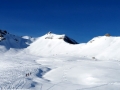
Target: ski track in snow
18, 79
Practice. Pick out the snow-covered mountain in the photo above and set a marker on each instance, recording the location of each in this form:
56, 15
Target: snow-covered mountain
52, 44
8, 41
101, 47
57, 62
65, 38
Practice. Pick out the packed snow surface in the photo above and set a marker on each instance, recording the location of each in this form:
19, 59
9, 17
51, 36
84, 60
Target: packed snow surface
51, 63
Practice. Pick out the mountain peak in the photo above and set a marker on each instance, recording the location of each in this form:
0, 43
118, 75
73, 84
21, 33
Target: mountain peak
51, 35
107, 35
2, 34
49, 32
13, 41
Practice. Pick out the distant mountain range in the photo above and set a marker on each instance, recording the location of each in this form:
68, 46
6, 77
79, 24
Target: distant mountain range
101, 47
8, 41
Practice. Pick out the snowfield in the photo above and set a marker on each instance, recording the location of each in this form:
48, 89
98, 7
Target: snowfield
56, 62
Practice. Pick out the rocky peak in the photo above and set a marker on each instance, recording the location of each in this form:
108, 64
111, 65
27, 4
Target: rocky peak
2, 34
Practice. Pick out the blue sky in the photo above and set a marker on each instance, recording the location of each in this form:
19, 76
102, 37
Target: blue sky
79, 19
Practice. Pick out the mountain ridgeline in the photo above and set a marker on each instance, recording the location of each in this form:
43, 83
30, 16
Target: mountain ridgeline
101, 47
50, 35
8, 41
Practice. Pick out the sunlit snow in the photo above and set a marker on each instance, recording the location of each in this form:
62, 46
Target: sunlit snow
51, 63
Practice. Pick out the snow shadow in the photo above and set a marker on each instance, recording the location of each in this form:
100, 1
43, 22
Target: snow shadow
42, 71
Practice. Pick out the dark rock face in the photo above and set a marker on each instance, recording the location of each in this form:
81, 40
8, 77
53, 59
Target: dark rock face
51, 35
12, 41
69, 40
2, 34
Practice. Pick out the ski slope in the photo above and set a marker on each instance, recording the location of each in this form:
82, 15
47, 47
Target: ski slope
57, 62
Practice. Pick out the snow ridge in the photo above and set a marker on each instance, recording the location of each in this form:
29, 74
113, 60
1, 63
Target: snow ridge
101, 47
8, 41
50, 35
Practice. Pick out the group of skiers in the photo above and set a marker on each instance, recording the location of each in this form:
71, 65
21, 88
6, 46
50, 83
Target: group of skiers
28, 74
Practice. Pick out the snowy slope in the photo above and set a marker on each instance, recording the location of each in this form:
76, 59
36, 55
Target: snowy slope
50, 35
101, 47
57, 62
8, 41
53, 44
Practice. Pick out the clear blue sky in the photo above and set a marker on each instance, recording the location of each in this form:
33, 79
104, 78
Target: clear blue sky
78, 19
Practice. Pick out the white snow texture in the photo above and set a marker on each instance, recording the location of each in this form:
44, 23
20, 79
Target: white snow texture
57, 62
